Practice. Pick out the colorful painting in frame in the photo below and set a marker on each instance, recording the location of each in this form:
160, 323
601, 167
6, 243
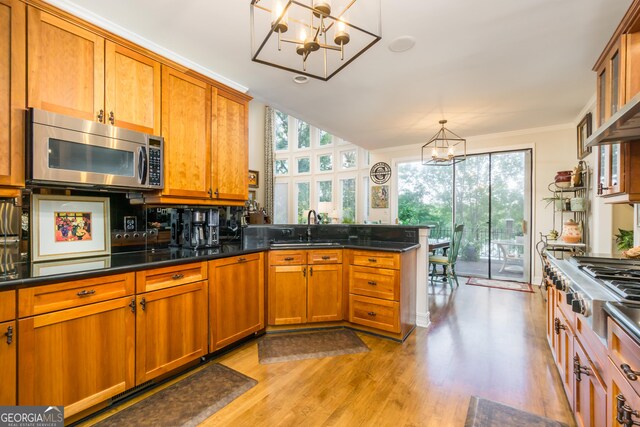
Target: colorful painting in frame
65, 227
253, 179
380, 196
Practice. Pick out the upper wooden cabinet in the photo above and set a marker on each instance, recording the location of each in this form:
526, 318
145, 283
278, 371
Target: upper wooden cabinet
132, 89
69, 70
12, 95
66, 67
186, 108
230, 149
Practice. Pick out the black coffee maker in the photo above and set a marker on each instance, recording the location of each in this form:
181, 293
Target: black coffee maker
195, 228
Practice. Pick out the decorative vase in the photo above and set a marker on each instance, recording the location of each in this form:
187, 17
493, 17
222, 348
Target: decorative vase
571, 232
578, 204
563, 179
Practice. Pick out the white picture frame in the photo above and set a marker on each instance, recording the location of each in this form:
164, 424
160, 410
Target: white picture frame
65, 227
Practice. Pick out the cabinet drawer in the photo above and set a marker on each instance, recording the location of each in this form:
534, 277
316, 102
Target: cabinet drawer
374, 312
623, 350
376, 259
325, 256
287, 257
374, 282
166, 277
7, 305
58, 296
238, 259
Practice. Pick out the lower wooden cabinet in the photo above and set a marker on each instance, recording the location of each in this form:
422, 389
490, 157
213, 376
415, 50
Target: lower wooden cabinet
590, 392
236, 298
564, 354
324, 293
8, 363
375, 313
171, 329
77, 357
287, 294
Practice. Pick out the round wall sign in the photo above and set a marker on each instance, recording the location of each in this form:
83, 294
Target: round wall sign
380, 173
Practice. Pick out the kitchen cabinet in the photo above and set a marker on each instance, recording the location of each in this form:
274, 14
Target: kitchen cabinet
74, 71
590, 399
305, 286
551, 315
230, 149
12, 96
236, 299
77, 357
171, 329
8, 357
564, 351
382, 291
186, 128
132, 89
623, 387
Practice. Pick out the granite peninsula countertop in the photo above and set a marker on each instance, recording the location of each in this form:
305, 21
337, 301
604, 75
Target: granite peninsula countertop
25, 273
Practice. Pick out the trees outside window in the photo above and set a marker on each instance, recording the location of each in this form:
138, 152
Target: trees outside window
304, 135
282, 131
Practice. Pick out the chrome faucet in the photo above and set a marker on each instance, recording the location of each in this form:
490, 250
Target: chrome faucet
315, 220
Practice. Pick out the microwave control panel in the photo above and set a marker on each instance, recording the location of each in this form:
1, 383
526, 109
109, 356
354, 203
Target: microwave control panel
155, 163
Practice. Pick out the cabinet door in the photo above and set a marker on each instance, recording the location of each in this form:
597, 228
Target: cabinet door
132, 95
171, 329
12, 92
324, 293
590, 399
564, 356
620, 389
287, 294
186, 127
77, 357
551, 303
66, 67
230, 147
8, 363
236, 298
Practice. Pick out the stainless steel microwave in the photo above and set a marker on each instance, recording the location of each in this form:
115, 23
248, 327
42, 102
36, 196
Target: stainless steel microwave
80, 153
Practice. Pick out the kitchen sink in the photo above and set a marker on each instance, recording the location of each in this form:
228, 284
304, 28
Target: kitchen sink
302, 244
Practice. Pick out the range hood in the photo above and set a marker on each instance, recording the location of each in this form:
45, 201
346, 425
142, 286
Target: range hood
623, 126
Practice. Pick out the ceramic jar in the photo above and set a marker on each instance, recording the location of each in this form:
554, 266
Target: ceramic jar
578, 204
571, 232
563, 179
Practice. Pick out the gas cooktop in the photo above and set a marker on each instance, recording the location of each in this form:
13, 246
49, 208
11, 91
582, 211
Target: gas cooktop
620, 275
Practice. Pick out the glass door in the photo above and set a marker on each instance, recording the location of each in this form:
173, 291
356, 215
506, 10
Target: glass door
492, 198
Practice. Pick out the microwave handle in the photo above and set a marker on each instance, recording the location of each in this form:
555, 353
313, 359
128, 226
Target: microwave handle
142, 165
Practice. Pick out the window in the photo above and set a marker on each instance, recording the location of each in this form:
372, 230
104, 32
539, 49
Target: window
348, 159
303, 190
304, 135
282, 167
348, 200
304, 165
325, 138
325, 191
325, 162
281, 202
282, 131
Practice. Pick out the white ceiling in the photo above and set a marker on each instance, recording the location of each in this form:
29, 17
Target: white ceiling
486, 66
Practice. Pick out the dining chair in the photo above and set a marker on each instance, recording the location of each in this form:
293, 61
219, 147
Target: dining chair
448, 262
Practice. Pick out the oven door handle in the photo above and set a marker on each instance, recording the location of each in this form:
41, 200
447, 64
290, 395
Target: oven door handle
142, 165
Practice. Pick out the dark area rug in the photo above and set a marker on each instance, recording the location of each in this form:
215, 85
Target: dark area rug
500, 284
487, 413
187, 402
309, 345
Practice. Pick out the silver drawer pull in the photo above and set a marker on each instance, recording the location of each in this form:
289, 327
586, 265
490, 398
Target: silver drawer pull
177, 276
241, 259
289, 258
86, 293
326, 257
371, 313
630, 373
373, 260
372, 283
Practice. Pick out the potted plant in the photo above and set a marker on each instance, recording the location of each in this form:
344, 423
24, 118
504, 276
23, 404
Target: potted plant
624, 240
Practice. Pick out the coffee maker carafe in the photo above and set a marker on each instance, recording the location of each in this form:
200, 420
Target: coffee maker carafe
200, 228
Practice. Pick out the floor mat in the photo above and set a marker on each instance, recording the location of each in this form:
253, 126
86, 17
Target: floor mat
187, 402
487, 413
500, 284
275, 348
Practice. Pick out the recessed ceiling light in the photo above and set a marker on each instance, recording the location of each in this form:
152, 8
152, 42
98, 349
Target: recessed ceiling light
402, 44
300, 79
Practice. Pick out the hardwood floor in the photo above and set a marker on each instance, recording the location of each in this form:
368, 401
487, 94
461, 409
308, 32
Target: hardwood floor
485, 342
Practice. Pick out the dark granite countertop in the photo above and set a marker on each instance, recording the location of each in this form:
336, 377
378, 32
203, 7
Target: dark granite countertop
627, 316
38, 273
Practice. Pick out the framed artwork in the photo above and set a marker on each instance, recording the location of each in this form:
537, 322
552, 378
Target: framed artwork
64, 227
253, 179
584, 132
39, 269
252, 195
379, 196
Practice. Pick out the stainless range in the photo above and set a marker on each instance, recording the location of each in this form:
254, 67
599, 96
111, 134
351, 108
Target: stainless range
591, 282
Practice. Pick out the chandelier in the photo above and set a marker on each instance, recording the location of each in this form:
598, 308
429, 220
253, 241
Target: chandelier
315, 38
444, 148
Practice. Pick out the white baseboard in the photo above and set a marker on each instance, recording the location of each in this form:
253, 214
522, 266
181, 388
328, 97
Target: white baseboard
423, 319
